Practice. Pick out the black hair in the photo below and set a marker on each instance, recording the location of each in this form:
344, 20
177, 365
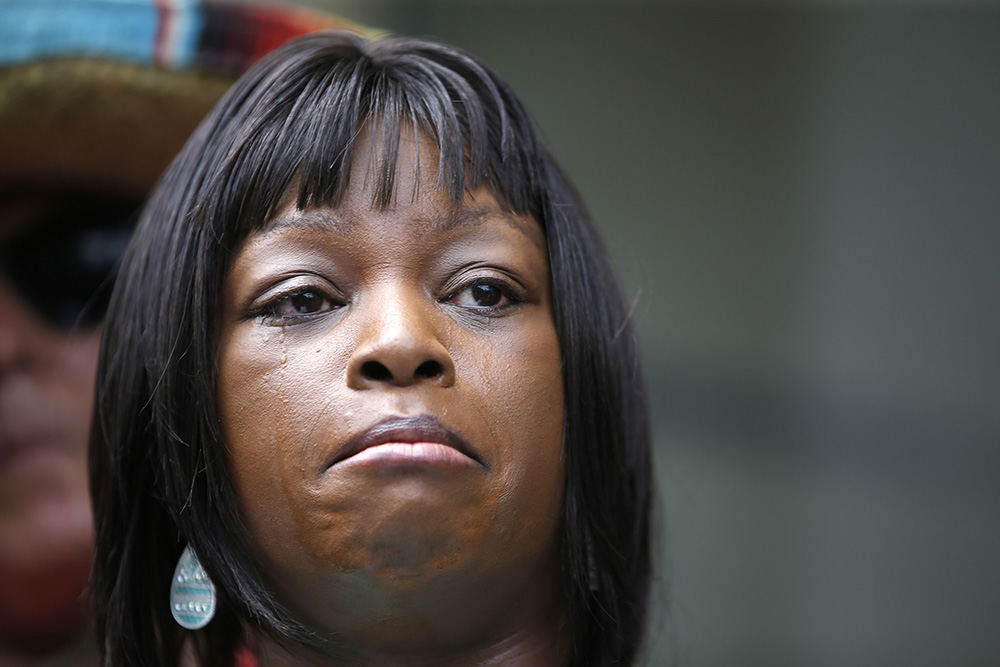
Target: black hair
159, 472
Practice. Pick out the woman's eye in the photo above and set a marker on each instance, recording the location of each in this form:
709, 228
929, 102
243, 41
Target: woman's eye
485, 296
304, 303
298, 305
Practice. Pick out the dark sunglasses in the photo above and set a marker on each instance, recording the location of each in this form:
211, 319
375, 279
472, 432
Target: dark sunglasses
64, 263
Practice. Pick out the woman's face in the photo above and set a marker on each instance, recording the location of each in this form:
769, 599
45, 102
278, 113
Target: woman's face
392, 401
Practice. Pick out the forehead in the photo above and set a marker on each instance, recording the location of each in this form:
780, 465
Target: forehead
478, 209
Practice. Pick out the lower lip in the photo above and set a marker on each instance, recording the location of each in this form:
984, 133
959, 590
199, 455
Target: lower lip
409, 453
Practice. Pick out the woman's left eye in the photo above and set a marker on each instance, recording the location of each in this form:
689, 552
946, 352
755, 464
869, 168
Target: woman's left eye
485, 295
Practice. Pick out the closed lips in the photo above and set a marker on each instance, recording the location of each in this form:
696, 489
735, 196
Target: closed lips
421, 438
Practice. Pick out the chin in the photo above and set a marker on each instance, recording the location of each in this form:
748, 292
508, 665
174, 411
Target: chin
414, 580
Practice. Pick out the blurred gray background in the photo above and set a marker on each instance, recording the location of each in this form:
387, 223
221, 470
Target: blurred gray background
802, 202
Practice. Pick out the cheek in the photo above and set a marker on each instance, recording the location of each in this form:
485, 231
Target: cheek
521, 402
281, 398
258, 427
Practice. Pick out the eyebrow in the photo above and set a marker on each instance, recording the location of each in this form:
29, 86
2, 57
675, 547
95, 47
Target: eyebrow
330, 222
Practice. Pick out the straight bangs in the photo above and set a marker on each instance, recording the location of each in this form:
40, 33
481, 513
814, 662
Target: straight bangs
291, 130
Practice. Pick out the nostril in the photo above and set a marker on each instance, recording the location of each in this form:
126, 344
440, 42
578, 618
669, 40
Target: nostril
429, 369
374, 370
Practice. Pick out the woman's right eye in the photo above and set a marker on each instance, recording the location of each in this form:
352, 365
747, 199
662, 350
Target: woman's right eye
298, 306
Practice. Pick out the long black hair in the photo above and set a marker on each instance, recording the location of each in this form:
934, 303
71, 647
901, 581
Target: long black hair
159, 472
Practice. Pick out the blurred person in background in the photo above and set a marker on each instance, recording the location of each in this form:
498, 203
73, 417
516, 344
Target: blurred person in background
96, 97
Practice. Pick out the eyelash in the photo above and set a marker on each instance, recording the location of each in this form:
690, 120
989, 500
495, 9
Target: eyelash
506, 290
268, 313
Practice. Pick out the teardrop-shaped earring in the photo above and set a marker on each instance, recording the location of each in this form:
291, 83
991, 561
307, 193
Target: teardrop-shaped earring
192, 593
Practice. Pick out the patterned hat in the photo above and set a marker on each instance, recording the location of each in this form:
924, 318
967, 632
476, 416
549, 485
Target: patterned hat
101, 94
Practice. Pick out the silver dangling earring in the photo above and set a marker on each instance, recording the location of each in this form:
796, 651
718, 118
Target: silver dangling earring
192, 593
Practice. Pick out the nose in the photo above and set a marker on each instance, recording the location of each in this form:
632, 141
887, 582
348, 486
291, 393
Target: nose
400, 345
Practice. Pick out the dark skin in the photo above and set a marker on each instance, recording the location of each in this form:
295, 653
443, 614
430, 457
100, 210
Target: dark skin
437, 544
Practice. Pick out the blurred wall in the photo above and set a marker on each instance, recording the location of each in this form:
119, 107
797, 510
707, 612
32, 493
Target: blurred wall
804, 208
